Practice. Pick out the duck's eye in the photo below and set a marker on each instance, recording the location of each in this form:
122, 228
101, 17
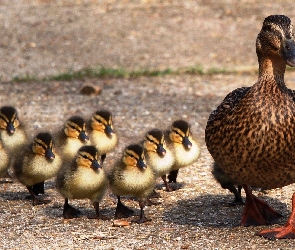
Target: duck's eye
267, 28
176, 132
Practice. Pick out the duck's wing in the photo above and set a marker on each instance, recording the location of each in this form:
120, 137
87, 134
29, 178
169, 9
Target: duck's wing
227, 105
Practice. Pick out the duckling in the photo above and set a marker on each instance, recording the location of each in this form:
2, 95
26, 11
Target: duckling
102, 133
37, 163
185, 149
131, 176
72, 137
80, 179
158, 156
227, 183
4, 160
251, 133
12, 132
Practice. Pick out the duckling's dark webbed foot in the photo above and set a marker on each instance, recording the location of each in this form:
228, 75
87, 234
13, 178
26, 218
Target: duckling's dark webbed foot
285, 232
173, 176
38, 188
257, 212
35, 200
70, 212
122, 211
155, 194
238, 198
142, 218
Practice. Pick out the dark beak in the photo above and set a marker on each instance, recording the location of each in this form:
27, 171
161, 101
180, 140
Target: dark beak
161, 150
186, 142
289, 52
83, 137
109, 131
10, 128
141, 164
95, 165
49, 154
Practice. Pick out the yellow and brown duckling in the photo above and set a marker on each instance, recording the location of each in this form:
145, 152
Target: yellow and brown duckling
72, 137
82, 178
36, 164
185, 148
251, 133
12, 133
158, 156
102, 134
4, 160
227, 183
131, 176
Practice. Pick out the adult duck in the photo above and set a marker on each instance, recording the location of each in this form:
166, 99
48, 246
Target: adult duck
251, 134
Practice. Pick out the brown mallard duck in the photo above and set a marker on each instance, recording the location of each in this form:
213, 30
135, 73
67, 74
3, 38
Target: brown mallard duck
251, 133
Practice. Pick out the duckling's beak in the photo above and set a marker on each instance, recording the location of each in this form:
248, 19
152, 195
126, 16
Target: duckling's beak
49, 154
141, 164
109, 131
161, 150
83, 137
288, 52
186, 142
95, 165
10, 128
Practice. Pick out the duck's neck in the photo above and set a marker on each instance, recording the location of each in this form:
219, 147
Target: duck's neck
271, 72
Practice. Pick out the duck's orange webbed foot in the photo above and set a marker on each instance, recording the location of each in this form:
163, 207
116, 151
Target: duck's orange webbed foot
285, 232
257, 212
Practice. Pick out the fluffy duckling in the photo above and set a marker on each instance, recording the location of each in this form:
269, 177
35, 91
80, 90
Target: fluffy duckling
227, 183
4, 160
102, 134
158, 156
250, 135
82, 178
72, 137
131, 176
184, 148
37, 163
12, 132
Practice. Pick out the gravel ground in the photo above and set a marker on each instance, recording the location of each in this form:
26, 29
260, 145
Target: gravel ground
48, 37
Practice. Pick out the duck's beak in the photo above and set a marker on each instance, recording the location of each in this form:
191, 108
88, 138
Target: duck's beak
10, 128
95, 165
186, 142
141, 164
161, 150
83, 137
108, 130
288, 52
49, 154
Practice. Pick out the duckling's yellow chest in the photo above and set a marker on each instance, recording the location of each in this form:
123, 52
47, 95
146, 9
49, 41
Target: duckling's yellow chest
85, 183
102, 142
71, 147
254, 143
38, 169
14, 141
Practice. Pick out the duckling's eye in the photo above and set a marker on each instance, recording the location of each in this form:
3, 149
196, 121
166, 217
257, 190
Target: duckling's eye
176, 132
98, 120
71, 126
40, 145
85, 157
